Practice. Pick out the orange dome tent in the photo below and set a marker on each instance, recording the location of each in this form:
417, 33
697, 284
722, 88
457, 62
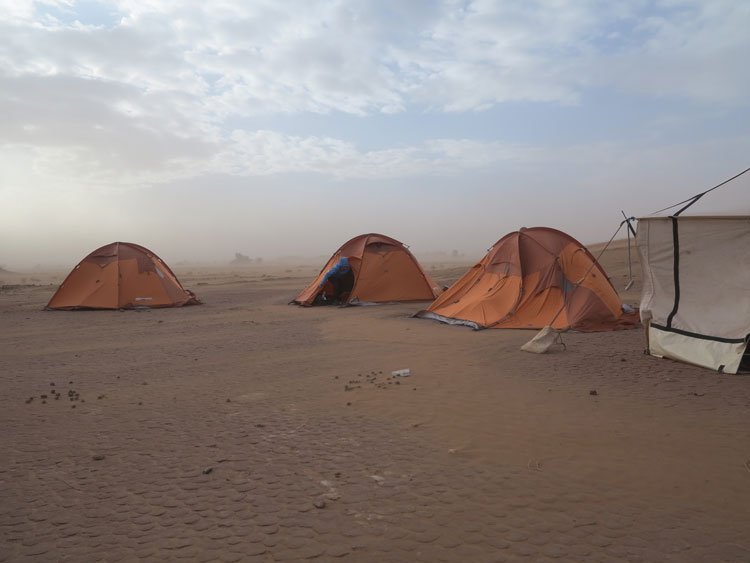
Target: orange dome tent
121, 275
533, 278
382, 270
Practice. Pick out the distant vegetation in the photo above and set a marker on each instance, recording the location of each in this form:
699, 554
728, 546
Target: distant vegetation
243, 260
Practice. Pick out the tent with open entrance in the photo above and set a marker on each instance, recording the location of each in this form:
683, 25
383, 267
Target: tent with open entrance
121, 275
533, 278
376, 269
695, 302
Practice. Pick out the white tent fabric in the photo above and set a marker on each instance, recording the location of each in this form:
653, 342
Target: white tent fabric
696, 288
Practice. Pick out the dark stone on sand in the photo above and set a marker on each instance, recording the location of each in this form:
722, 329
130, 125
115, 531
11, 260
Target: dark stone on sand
229, 400
72, 406
208, 470
593, 392
348, 404
98, 457
52, 384
140, 402
42, 396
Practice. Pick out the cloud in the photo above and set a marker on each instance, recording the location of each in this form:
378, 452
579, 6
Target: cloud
689, 50
137, 92
266, 152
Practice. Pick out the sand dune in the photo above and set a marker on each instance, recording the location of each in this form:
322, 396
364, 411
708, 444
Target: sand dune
247, 429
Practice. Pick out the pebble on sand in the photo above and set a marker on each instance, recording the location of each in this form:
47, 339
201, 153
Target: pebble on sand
593, 392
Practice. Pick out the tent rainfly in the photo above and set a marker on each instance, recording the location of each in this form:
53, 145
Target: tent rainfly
382, 270
121, 275
695, 302
534, 278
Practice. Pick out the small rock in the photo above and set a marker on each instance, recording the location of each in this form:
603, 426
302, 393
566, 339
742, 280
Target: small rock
593, 392
97, 457
72, 406
229, 400
320, 503
140, 402
52, 384
348, 404
208, 470
42, 396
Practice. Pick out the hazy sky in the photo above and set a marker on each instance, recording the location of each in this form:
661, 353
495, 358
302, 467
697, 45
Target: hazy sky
286, 127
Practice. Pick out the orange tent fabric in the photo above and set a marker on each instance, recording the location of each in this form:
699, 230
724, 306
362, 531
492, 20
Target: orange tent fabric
530, 279
384, 271
121, 275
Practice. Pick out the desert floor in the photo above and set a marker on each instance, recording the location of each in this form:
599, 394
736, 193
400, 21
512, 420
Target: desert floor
247, 429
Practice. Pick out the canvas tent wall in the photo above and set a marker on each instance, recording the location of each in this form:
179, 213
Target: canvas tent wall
121, 275
384, 271
530, 279
696, 288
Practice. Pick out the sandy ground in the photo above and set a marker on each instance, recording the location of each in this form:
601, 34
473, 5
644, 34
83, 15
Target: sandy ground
247, 429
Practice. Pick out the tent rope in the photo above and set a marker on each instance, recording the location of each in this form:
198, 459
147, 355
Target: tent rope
691, 200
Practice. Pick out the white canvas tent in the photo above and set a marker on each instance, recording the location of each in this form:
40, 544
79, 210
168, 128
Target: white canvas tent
695, 303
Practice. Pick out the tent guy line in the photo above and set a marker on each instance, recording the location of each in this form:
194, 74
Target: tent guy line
696, 197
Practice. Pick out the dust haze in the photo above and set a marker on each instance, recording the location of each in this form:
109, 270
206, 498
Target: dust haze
207, 221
